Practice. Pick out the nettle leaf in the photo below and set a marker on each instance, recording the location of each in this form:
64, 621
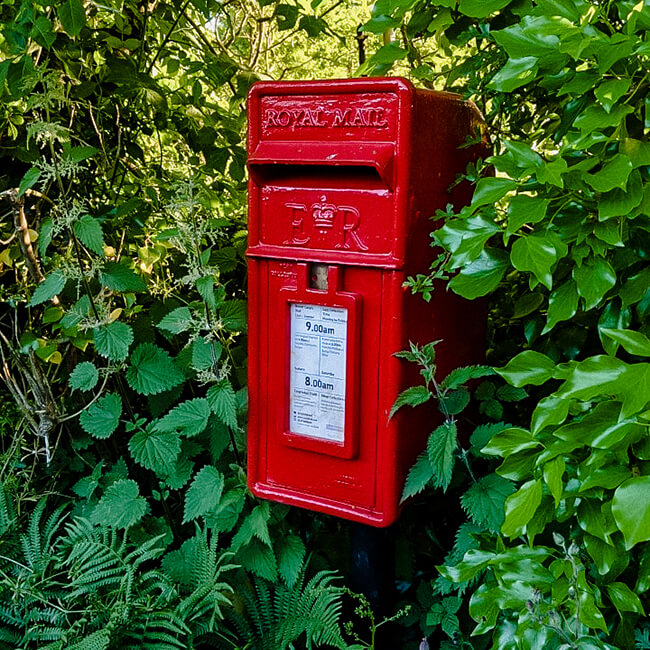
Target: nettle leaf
113, 340
189, 418
118, 277
521, 507
460, 376
528, 367
72, 16
205, 354
535, 254
233, 315
43, 32
441, 450
155, 450
84, 377
484, 502
418, 477
259, 559
413, 396
177, 321
633, 342
50, 287
223, 402
89, 231
204, 493
101, 418
205, 287
152, 370
121, 506
226, 515
291, 555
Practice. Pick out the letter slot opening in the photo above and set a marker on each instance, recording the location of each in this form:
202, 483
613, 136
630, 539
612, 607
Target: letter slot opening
328, 177
323, 165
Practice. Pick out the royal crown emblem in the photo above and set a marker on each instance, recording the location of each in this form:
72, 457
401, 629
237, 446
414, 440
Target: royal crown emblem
323, 214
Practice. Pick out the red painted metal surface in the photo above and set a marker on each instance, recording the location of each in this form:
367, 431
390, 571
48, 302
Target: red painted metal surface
347, 173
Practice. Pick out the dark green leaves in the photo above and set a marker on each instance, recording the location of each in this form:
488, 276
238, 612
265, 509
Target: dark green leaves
189, 418
152, 370
89, 231
631, 510
84, 377
413, 396
50, 287
155, 450
204, 493
72, 16
101, 418
113, 340
482, 275
121, 506
119, 277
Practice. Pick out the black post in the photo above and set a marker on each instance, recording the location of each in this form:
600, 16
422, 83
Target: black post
372, 572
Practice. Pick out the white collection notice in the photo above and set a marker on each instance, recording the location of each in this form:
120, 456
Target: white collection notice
318, 360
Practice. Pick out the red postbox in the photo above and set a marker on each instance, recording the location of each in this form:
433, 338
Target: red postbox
344, 177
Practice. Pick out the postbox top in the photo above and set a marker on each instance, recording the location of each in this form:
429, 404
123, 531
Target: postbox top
334, 165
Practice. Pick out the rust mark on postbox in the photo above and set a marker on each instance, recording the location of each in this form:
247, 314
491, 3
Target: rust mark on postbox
344, 177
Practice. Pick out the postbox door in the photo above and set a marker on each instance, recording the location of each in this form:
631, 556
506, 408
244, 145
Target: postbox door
322, 384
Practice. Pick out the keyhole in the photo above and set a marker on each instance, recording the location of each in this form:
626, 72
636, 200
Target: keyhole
318, 276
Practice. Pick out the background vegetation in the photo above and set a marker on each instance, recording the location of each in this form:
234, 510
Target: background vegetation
124, 515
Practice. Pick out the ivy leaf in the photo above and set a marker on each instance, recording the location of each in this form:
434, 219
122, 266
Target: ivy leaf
535, 254
528, 367
204, 493
291, 555
624, 599
177, 321
155, 450
223, 402
631, 510
515, 73
72, 16
620, 202
101, 418
562, 305
84, 377
523, 210
118, 277
481, 8
121, 506
484, 502
482, 275
490, 190
152, 370
441, 448
633, 342
594, 278
413, 396
418, 477
89, 231
521, 507
189, 418
609, 92
113, 340
233, 315
613, 174
50, 287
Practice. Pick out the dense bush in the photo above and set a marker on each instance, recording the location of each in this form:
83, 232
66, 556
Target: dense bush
123, 337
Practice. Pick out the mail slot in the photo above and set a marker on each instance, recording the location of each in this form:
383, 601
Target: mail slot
344, 179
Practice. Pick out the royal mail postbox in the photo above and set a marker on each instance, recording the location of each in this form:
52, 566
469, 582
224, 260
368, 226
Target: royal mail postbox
344, 177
